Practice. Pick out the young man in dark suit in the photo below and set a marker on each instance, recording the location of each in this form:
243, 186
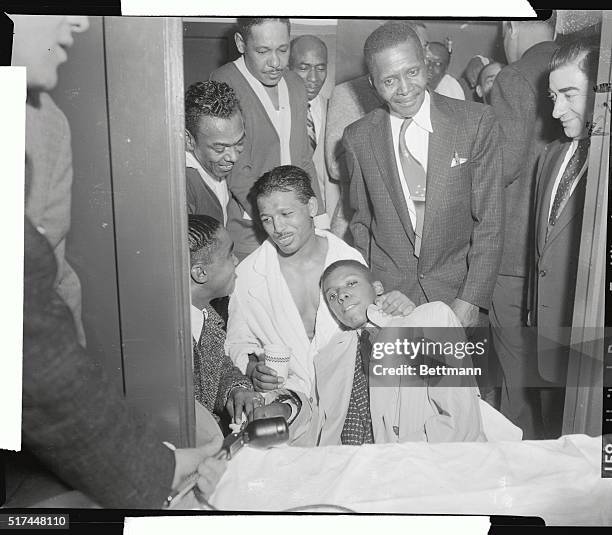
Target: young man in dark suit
519, 97
425, 183
559, 204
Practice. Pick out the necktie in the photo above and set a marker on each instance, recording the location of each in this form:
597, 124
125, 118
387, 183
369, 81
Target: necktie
208, 349
567, 180
310, 129
357, 427
416, 179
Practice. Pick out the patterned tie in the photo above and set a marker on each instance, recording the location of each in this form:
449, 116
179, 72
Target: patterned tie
208, 348
357, 427
416, 179
310, 128
567, 180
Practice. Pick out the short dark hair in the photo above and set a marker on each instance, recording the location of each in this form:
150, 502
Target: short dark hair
390, 34
246, 23
581, 52
203, 240
348, 263
210, 99
284, 178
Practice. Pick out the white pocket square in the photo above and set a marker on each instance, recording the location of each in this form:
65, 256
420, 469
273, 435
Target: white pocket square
458, 161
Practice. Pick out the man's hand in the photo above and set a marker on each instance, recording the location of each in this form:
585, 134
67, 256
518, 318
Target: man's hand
243, 400
263, 378
395, 303
466, 312
274, 409
201, 460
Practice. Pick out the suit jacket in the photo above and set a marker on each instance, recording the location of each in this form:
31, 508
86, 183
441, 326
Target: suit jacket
261, 150
553, 271
201, 199
73, 419
329, 189
462, 230
520, 100
262, 311
428, 413
349, 102
49, 190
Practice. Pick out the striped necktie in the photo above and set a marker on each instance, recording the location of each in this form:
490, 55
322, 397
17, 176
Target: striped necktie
310, 128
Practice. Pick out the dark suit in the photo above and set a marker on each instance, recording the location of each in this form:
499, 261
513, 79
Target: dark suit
553, 274
73, 420
262, 150
462, 230
520, 100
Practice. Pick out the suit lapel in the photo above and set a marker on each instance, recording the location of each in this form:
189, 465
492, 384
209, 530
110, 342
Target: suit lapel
550, 170
440, 154
383, 150
572, 208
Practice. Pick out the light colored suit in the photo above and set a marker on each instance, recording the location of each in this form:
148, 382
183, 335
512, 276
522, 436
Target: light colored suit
262, 311
428, 413
463, 225
49, 191
261, 151
553, 271
330, 190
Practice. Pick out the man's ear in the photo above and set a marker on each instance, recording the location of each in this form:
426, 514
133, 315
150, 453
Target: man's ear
189, 141
198, 273
479, 90
240, 43
378, 287
511, 27
313, 206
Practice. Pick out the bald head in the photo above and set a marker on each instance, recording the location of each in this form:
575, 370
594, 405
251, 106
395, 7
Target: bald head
519, 36
308, 59
437, 58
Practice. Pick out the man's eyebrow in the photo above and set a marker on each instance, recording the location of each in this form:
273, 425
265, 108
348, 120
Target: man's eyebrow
567, 89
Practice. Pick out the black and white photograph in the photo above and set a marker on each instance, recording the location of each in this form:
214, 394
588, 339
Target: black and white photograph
351, 265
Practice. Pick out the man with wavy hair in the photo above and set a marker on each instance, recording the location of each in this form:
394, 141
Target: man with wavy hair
214, 139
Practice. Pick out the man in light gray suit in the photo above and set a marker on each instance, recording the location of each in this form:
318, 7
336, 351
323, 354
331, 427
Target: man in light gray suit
425, 183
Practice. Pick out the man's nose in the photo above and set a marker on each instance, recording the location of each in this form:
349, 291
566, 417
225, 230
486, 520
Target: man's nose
312, 75
559, 108
403, 85
78, 24
232, 154
274, 60
279, 224
342, 295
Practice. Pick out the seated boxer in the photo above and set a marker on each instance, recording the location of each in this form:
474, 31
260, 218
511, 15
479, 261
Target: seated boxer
404, 409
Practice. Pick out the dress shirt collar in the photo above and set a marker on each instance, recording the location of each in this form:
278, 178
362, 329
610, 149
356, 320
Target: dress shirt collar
197, 322
192, 162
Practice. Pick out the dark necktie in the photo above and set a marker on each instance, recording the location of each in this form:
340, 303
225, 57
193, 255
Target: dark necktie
416, 179
567, 180
310, 128
357, 427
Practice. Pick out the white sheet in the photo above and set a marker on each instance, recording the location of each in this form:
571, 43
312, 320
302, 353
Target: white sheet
558, 480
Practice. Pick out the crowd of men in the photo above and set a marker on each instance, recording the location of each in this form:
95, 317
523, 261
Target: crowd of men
400, 201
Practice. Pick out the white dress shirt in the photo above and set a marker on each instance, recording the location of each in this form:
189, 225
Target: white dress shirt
450, 87
218, 186
570, 151
417, 141
197, 322
316, 110
281, 118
